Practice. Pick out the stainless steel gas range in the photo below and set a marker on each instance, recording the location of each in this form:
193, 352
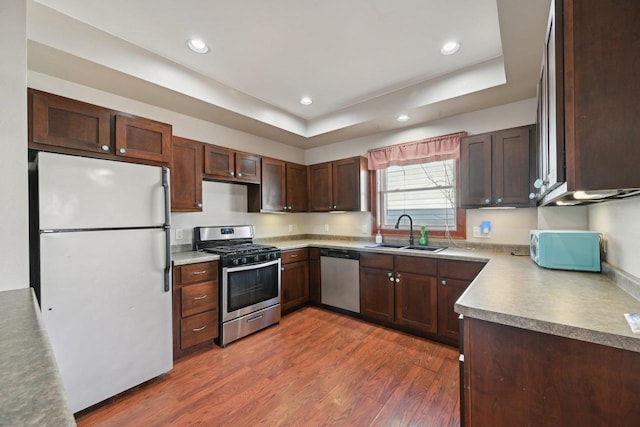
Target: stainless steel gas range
249, 279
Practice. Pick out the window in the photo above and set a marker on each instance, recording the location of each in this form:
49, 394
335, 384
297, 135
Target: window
427, 192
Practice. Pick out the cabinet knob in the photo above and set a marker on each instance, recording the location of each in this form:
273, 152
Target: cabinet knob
444, 282
538, 183
239, 174
105, 148
199, 205
499, 200
232, 173
390, 274
122, 151
532, 196
397, 280
487, 201
335, 207
281, 268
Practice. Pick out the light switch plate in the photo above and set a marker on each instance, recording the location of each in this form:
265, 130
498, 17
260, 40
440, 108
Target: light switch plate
179, 234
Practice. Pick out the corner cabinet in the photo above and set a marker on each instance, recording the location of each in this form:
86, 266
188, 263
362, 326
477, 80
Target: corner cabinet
454, 277
195, 306
498, 168
399, 290
63, 125
588, 97
295, 279
342, 185
186, 175
224, 164
283, 188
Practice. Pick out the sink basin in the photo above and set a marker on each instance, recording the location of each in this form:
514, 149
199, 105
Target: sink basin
386, 245
425, 248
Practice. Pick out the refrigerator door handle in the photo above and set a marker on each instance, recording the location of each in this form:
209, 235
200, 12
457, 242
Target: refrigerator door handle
167, 230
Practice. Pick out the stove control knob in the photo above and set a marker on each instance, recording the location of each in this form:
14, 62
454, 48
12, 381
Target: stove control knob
244, 260
236, 261
271, 256
256, 258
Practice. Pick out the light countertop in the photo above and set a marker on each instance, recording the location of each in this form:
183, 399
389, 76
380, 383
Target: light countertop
514, 291
32, 391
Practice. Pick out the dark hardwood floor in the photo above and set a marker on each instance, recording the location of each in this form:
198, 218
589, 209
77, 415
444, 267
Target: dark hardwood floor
315, 368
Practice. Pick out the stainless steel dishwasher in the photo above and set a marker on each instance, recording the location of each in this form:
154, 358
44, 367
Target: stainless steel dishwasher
340, 279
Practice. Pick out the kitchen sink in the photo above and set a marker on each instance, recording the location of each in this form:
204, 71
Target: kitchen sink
401, 246
387, 245
425, 248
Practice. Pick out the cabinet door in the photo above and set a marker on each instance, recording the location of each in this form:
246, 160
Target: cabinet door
272, 187
295, 284
346, 184
186, 175
376, 294
512, 177
320, 187
475, 170
416, 301
219, 162
248, 168
144, 139
297, 195
449, 290
314, 275
65, 123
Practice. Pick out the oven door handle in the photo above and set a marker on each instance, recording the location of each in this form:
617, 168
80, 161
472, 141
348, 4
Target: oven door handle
251, 266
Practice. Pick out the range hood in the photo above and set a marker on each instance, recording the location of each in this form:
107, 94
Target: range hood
560, 196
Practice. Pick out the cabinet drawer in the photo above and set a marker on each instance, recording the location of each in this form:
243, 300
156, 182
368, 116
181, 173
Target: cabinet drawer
199, 328
376, 261
200, 272
199, 298
294, 255
465, 270
417, 265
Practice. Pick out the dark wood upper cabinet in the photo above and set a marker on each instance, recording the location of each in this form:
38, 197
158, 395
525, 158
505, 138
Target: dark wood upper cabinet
143, 139
64, 125
283, 188
224, 164
341, 185
497, 168
186, 175
589, 102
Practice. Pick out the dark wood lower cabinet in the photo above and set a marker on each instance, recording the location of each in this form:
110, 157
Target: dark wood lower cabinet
295, 279
518, 377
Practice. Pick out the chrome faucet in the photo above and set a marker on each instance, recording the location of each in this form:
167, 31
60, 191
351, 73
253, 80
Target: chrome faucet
410, 227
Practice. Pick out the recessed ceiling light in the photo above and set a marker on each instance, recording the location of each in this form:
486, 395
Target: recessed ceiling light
450, 48
403, 118
198, 46
305, 100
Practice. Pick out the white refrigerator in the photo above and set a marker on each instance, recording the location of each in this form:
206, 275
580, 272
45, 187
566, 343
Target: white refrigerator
102, 273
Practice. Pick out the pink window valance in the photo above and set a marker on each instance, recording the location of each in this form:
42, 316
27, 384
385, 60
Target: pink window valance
443, 147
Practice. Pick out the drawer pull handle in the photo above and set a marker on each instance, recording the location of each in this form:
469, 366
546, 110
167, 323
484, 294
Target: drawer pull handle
198, 273
199, 298
294, 256
201, 328
253, 319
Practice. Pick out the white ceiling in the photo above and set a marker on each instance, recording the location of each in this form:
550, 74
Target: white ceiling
363, 62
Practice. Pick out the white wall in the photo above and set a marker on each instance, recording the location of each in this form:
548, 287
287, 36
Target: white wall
618, 220
14, 210
184, 126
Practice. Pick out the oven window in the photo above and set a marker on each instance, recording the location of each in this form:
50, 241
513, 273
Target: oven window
250, 287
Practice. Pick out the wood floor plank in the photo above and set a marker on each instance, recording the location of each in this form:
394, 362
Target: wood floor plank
315, 368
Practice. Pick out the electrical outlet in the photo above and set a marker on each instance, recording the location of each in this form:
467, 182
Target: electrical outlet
326, 228
477, 232
290, 228
179, 233
364, 228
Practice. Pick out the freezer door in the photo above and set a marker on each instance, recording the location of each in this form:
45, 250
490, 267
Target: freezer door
105, 310
82, 193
